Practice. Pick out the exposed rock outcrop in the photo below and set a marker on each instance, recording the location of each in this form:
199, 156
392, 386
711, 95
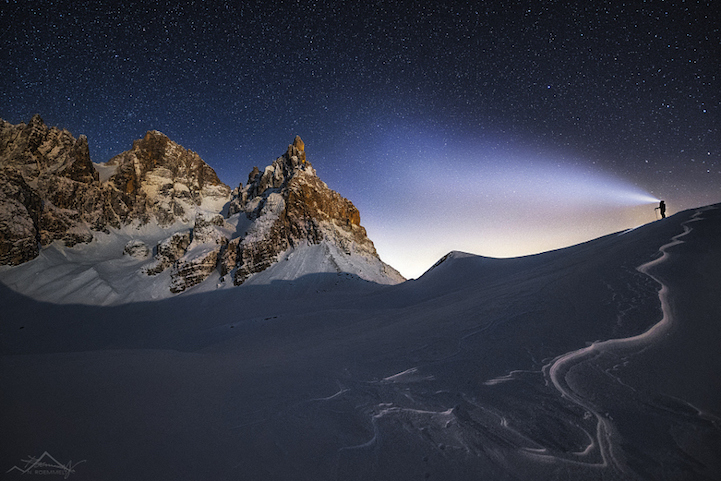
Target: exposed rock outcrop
168, 251
210, 235
137, 249
20, 208
209, 228
50, 190
51, 173
193, 268
159, 179
290, 206
192, 255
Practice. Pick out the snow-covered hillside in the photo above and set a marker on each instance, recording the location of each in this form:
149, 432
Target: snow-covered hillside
598, 361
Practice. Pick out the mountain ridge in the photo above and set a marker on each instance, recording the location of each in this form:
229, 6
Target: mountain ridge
51, 191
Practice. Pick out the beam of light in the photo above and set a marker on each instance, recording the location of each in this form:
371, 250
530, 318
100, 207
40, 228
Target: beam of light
633, 197
521, 181
495, 203
581, 186
476, 170
428, 193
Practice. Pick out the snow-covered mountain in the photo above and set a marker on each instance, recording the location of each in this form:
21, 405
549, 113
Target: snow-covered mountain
599, 361
595, 362
149, 223
52, 189
290, 207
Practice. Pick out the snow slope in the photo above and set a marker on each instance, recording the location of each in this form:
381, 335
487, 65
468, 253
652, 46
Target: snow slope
98, 274
598, 361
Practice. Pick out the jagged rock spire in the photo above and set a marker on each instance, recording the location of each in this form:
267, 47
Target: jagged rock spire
292, 206
51, 191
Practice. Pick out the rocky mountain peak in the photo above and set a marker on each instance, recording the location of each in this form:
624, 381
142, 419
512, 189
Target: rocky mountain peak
159, 178
291, 206
298, 144
37, 150
156, 151
277, 175
51, 191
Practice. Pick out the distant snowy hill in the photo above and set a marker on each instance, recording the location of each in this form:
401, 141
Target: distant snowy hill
155, 221
599, 361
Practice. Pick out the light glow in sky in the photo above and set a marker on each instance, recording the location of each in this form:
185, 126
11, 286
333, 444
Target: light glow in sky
497, 204
494, 127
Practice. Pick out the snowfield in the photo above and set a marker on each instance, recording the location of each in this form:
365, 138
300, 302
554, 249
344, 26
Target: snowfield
99, 274
599, 361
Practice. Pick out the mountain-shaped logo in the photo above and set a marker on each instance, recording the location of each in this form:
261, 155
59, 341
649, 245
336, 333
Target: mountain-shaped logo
45, 464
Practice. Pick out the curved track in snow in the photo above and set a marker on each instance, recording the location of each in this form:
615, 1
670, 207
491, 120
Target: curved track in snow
557, 372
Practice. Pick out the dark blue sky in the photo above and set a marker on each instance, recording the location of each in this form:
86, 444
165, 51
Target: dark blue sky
428, 115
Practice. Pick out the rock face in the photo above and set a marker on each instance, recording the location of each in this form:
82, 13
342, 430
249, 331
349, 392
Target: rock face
168, 251
20, 209
290, 206
49, 187
193, 269
159, 179
50, 190
137, 249
210, 235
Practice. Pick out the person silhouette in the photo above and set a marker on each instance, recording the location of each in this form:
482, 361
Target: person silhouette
662, 208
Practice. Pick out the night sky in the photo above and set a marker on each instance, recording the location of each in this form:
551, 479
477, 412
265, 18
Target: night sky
497, 128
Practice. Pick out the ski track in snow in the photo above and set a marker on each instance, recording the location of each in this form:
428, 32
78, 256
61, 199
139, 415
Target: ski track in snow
557, 370
419, 414
598, 454
422, 414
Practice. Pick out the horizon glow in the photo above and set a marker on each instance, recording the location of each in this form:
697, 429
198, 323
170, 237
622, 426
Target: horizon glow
467, 142
502, 206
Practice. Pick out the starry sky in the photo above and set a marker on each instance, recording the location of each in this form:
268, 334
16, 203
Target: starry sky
497, 128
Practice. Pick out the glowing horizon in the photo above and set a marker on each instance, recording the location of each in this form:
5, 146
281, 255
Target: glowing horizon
502, 205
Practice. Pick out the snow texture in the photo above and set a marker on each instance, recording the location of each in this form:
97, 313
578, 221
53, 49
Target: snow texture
594, 362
